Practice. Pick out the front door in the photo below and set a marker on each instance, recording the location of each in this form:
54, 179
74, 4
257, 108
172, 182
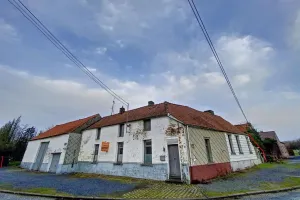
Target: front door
54, 162
40, 157
174, 164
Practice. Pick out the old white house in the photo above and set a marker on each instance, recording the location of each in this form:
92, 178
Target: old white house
160, 141
56, 150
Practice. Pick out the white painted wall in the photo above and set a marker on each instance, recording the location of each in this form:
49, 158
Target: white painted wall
241, 161
56, 145
133, 150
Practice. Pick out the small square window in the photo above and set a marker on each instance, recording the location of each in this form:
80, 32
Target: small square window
147, 125
121, 130
98, 133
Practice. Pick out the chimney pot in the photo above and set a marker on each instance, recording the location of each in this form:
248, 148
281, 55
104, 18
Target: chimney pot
210, 111
122, 110
150, 103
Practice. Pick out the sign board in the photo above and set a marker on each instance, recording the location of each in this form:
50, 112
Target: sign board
105, 146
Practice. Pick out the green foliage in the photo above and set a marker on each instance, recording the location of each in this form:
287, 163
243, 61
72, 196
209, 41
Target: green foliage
14, 138
254, 133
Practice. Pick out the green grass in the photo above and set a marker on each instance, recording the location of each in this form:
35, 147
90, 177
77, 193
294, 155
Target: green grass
215, 194
49, 191
14, 164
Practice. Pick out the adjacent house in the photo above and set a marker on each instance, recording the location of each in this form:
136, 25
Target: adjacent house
56, 150
162, 141
279, 150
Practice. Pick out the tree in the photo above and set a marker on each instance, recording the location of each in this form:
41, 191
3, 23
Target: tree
14, 138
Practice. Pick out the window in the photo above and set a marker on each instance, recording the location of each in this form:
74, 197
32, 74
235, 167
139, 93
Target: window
147, 152
230, 144
147, 125
239, 144
120, 152
249, 145
121, 130
98, 133
208, 150
96, 153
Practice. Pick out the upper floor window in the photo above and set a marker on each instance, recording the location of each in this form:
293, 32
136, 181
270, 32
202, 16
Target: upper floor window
98, 133
239, 144
231, 144
121, 130
147, 125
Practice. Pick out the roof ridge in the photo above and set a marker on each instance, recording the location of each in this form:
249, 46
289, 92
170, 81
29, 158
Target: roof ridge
77, 120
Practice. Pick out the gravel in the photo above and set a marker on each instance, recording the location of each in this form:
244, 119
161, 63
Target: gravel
62, 183
252, 180
4, 196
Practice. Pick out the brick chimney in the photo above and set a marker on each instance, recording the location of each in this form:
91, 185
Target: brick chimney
122, 110
210, 111
150, 103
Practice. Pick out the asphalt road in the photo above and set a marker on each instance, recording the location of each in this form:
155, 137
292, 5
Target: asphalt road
293, 195
4, 196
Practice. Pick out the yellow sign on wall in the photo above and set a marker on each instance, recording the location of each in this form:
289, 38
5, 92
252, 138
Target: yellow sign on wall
105, 146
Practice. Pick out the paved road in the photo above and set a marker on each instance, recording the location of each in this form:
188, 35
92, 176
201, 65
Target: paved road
293, 195
62, 183
4, 196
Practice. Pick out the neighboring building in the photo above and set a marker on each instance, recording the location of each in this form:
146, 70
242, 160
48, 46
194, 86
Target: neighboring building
164, 141
159, 141
279, 150
56, 150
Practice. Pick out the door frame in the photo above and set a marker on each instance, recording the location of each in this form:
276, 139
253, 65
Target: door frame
36, 156
180, 167
52, 159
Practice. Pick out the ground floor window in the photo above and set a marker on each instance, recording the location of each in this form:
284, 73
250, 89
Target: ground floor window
208, 150
96, 151
120, 152
147, 152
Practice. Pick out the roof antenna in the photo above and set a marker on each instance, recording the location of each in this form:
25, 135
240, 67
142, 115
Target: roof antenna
113, 105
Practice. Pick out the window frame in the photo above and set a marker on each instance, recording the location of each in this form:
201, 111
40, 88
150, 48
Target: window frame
229, 136
144, 123
145, 151
120, 145
237, 138
95, 157
98, 133
121, 131
208, 150
249, 144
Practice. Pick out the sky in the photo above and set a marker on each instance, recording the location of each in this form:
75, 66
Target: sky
153, 50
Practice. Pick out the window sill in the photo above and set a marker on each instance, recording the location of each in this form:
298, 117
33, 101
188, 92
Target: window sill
233, 154
118, 163
210, 163
147, 164
241, 153
94, 162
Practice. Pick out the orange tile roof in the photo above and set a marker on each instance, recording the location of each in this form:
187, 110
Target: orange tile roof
185, 114
243, 127
64, 128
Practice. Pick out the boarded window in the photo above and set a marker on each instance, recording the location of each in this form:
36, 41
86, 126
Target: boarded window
96, 151
121, 130
147, 152
239, 144
249, 145
231, 144
120, 152
147, 125
98, 133
208, 150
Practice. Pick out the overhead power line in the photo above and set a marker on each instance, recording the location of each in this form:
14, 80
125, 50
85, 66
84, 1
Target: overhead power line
56, 42
206, 35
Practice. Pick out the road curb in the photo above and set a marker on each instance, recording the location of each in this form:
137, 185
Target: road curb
53, 196
102, 198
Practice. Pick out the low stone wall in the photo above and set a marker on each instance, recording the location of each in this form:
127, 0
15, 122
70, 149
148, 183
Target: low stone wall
244, 164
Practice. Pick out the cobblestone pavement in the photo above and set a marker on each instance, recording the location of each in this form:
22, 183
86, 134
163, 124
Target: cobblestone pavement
251, 180
4, 196
19, 179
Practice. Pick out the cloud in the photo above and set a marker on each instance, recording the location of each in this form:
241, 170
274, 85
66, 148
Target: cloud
7, 31
101, 50
294, 36
92, 69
